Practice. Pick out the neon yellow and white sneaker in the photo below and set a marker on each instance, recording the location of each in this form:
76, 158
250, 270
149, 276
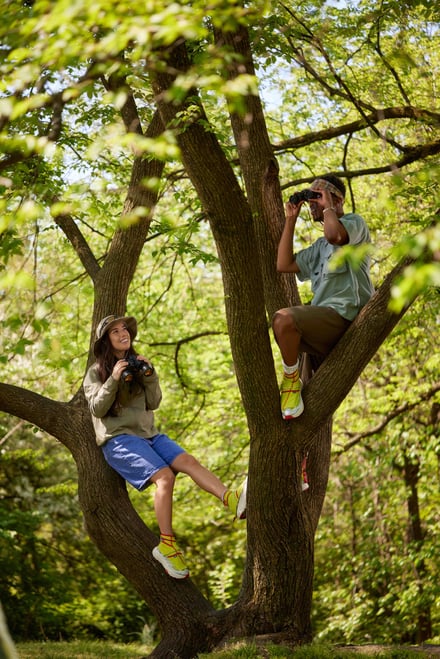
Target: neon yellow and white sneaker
235, 500
171, 558
291, 402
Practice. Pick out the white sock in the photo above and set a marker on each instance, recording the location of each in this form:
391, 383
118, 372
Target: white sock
290, 370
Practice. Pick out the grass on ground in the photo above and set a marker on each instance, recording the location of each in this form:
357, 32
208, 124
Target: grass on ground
238, 650
82, 650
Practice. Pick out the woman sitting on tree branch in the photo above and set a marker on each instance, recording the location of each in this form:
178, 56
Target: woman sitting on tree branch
122, 390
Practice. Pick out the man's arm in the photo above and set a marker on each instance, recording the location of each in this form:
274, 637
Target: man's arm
286, 261
334, 231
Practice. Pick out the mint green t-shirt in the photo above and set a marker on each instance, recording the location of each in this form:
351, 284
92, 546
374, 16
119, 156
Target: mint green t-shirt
344, 289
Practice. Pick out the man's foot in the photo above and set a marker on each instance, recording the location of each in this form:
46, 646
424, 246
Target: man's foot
171, 558
291, 402
235, 500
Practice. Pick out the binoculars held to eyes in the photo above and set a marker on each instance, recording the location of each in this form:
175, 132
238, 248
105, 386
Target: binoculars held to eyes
304, 195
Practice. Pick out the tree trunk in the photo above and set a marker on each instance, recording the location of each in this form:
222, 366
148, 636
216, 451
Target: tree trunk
277, 589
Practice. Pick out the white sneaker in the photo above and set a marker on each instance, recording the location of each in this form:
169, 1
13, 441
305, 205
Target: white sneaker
241, 503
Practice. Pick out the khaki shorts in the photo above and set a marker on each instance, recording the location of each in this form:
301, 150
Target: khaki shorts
320, 328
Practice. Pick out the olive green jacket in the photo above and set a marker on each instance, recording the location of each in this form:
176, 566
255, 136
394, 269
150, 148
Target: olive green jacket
134, 417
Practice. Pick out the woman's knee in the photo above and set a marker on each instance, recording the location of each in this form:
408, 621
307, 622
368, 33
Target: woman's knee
164, 478
185, 463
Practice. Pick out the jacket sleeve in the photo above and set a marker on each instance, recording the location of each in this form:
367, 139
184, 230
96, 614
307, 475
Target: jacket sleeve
100, 396
153, 392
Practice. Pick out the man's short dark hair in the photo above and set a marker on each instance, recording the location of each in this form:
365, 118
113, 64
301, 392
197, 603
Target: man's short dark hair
336, 181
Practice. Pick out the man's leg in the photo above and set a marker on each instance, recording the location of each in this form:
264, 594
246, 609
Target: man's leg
304, 328
288, 338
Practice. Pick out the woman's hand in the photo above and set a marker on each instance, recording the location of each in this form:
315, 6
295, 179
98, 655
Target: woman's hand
149, 370
144, 359
118, 369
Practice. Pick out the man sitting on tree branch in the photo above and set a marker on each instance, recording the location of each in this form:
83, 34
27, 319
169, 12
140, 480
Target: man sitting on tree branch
339, 291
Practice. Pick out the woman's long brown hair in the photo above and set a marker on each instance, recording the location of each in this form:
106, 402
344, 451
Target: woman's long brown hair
105, 360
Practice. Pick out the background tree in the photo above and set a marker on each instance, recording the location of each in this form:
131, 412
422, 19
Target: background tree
70, 169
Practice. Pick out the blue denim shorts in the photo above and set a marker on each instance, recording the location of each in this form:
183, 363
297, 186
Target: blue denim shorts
137, 459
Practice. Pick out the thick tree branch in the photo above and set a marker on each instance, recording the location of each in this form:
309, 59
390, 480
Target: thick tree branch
72, 232
398, 112
129, 112
260, 172
131, 240
138, 195
54, 417
232, 226
413, 154
337, 375
56, 123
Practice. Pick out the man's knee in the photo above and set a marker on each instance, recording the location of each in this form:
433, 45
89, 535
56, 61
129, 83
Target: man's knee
282, 321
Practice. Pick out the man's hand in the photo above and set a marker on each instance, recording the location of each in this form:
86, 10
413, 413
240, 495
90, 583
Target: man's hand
325, 200
328, 209
285, 257
292, 211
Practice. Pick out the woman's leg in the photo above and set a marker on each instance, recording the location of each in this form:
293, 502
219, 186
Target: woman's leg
234, 500
178, 460
167, 552
163, 499
205, 479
